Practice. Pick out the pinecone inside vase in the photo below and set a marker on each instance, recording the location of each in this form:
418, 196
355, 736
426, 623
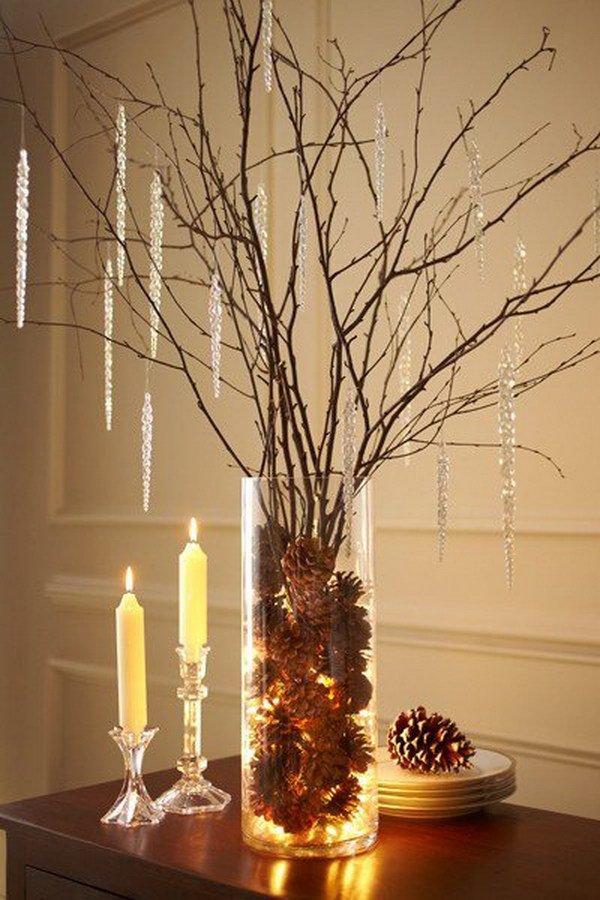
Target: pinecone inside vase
312, 645
428, 744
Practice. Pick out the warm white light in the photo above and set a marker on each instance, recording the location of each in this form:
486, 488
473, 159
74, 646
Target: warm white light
193, 530
129, 580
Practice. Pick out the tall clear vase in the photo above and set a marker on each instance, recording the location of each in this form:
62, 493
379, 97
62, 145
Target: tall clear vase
309, 785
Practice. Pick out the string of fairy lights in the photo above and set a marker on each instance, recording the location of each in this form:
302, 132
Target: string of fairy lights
512, 354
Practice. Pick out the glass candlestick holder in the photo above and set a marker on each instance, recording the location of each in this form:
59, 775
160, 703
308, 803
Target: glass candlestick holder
133, 806
193, 794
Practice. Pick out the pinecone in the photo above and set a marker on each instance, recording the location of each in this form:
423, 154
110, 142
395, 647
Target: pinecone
272, 772
278, 731
269, 545
346, 588
428, 744
307, 564
326, 767
343, 802
293, 648
268, 613
355, 691
357, 746
305, 699
350, 628
314, 608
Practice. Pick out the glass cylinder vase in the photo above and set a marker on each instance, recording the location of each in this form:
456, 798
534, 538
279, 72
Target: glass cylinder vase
309, 784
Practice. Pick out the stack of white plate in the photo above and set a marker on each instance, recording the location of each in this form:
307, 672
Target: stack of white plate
414, 796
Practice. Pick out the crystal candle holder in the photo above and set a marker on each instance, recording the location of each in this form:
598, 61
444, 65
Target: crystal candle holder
133, 806
192, 794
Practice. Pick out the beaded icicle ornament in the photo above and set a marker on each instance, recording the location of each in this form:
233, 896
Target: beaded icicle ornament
380, 136
443, 478
476, 194
349, 461
121, 201
22, 216
506, 428
302, 251
267, 43
157, 217
147, 423
108, 347
215, 314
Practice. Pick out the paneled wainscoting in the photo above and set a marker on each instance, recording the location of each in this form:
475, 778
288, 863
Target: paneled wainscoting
449, 665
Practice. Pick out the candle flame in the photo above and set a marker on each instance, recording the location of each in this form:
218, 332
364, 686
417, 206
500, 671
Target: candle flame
193, 530
129, 580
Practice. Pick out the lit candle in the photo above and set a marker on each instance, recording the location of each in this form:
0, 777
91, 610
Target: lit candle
131, 660
192, 596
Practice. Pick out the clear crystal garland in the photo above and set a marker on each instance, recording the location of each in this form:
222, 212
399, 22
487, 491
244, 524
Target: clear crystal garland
404, 366
349, 461
121, 202
506, 428
108, 347
519, 287
22, 211
302, 251
215, 314
157, 218
380, 134
267, 43
476, 193
147, 435
597, 224
443, 478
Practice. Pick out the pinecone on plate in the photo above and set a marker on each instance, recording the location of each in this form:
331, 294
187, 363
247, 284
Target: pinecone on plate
307, 564
428, 744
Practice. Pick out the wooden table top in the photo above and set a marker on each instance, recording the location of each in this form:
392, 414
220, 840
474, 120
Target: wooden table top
509, 852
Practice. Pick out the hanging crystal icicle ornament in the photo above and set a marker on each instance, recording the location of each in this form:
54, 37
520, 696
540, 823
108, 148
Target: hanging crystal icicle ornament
349, 462
157, 218
22, 215
120, 180
260, 215
215, 314
443, 478
147, 438
404, 366
519, 287
108, 347
380, 135
476, 194
302, 251
506, 428
267, 43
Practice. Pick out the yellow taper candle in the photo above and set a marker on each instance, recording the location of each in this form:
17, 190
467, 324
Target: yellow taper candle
131, 660
192, 596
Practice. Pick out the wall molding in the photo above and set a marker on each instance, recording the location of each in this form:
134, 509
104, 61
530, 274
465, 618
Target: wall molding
555, 753
564, 523
94, 674
106, 676
137, 12
86, 595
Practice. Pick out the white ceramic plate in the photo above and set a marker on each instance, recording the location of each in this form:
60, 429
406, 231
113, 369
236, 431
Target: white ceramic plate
450, 793
430, 802
487, 765
439, 803
445, 812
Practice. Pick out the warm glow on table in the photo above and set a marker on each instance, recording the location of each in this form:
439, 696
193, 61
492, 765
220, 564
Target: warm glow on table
192, 596
131, 660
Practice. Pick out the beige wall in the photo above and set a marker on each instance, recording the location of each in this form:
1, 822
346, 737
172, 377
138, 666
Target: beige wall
519, 670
